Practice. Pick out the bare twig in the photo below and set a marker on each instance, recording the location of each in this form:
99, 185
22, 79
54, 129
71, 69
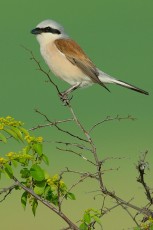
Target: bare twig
144, 211
82, 147
78, 154
103, 204
60, 129
84, 177
54, 123
104, 212
40, 68
90, 141
132, 217
7, 191
58, 192
91, 175
108, 118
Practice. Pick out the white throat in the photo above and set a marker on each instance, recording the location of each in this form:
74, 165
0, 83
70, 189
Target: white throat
46, 38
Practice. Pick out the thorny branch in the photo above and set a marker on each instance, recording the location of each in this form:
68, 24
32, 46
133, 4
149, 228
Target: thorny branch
80, 146
90, 141
108, 118
60, 129
78, 154
55, 123
83, 177
40, 68
142, 165
132, 217
98, 163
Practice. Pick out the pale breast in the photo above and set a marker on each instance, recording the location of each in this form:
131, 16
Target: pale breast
62, 67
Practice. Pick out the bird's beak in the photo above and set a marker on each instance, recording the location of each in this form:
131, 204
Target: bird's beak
36, 31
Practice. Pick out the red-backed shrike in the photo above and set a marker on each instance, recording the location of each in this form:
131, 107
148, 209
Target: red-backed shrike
68, 61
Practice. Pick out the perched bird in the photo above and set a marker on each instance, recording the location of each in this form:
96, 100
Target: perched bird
68, 61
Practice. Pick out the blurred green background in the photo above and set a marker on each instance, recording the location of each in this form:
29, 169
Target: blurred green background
118, 37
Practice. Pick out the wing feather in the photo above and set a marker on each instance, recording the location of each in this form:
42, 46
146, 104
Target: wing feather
77, 56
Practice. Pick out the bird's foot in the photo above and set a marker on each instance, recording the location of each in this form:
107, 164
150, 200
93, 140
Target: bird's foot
65, 99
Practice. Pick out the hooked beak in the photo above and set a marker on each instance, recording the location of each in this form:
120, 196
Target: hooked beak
36, 31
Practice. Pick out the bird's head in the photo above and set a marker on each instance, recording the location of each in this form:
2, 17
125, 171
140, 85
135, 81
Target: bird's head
48, 30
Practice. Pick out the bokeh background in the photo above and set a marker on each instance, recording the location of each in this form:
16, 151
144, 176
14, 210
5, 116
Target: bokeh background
118, 37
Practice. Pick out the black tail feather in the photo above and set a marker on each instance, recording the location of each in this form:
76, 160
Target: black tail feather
129, 86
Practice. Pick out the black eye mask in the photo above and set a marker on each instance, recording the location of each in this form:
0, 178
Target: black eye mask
48, 29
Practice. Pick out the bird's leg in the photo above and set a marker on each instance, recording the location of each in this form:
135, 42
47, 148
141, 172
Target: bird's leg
64, 95
72, 88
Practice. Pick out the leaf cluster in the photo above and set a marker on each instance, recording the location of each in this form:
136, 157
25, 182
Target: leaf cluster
29, 160
90, 218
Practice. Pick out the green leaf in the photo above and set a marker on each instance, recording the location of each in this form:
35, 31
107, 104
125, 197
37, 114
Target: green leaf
83, 226
24, 199
97, 219
40, 187
12, 133
45, 159
3, 138
8, 170
54, 199
71, 196
48, 193
18, 133
151, 227
37, 173
25, 173
27, 149
15, 163
38, 148
87, 218
17, 187
34, 206
24, 131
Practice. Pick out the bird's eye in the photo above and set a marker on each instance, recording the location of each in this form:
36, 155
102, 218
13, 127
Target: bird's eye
50, 30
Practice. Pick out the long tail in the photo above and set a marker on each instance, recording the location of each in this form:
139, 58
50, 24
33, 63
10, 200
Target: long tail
105, 78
